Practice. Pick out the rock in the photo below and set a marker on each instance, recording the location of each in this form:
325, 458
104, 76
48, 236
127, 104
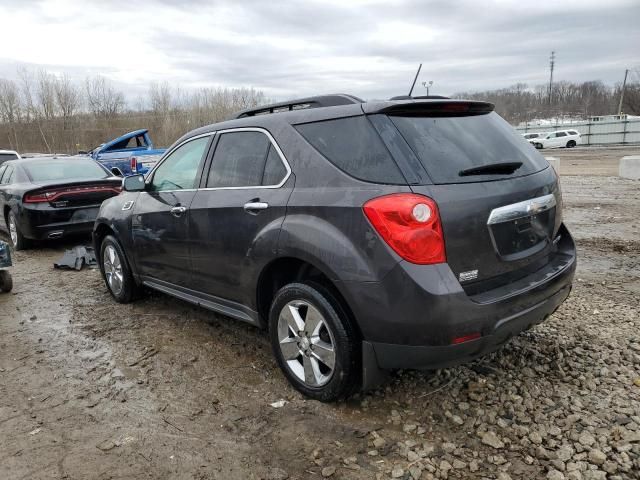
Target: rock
458, 464
473, 466
564, 453
412, 456
379, 442
594, 475
277, 474
445, 466
409, 427
554, 474
491, 439
535, 438
328, 471
448, 447
397, 472
504, 476
597, 457
586, 439
415, 471
574, 475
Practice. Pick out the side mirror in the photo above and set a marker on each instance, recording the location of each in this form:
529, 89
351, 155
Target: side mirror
117, 172
134, 183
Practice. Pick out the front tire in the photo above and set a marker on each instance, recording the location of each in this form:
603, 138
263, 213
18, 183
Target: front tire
116, 271
18, 240
314, 342
538, 146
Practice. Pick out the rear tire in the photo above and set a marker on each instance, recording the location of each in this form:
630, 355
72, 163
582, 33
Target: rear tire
538, 146
571, 143
314, 342
18, 240
6, 282
117, 272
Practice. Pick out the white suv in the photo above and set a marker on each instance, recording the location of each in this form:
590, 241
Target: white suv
558, 139
534, 135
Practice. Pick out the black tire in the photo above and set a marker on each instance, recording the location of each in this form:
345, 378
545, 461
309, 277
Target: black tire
20, 242
344, 379
571, 143
6, 282
538, 146
128, 290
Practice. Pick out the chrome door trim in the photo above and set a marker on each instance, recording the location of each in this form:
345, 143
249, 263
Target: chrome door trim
526, 208
283, 159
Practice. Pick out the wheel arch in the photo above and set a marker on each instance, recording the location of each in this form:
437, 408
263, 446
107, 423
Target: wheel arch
284, 270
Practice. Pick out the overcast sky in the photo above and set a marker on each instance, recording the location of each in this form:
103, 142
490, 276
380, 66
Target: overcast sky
291, 48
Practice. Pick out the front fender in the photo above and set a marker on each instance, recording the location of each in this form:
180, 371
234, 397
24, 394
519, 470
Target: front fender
113, 216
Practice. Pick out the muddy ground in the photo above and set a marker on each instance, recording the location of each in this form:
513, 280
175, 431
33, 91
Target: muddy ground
160, 389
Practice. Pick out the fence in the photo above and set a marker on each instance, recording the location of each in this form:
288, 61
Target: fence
595, 131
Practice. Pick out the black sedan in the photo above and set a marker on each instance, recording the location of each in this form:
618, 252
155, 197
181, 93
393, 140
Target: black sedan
46, 198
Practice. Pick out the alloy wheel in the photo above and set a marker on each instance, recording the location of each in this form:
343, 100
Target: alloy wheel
113, 269
306, 343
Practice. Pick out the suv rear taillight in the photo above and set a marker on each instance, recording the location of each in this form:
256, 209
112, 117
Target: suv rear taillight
134, 165
411, 226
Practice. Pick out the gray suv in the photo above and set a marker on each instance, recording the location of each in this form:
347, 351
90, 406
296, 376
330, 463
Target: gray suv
364, 236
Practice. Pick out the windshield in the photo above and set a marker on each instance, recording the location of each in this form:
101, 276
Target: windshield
64, 169
447, 146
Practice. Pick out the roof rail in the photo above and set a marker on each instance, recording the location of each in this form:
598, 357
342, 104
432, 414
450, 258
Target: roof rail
300, 104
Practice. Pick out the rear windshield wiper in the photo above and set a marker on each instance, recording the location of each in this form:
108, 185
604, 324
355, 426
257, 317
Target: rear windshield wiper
506, 168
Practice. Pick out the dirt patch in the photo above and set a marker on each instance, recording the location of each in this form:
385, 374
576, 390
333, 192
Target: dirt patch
159, 389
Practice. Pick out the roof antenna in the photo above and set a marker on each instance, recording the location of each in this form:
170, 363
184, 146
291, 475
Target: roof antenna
414, 80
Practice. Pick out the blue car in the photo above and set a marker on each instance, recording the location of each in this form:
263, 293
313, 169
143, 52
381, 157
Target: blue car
132, 153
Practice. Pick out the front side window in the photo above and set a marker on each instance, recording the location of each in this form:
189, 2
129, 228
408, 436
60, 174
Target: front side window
561, 134
2, 169
179, 170
245, 159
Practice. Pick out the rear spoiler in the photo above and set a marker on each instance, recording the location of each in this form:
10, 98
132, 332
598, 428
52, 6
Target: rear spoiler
430, 108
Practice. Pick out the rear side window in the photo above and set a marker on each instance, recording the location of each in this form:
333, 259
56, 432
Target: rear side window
447, 146
245, 159
353, 146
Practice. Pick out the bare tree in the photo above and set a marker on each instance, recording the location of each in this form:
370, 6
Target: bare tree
10, 109
102, 98
68, 99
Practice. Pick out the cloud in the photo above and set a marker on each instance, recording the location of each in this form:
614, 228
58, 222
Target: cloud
287, 48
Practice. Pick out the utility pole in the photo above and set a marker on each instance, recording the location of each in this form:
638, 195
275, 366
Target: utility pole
624, 84
552, 63
427, 85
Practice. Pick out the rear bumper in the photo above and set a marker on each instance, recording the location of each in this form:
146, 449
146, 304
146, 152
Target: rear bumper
412, 318
393, 356
45, 222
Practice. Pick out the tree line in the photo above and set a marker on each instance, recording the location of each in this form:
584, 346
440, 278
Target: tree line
522, 103
43, 112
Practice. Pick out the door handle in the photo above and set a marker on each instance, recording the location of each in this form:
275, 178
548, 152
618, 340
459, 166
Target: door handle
254, 207
178, 211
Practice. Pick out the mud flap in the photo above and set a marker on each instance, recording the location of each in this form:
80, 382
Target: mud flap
372, 375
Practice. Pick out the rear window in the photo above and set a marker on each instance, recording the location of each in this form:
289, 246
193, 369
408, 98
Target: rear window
448, 145
353, 146
7, 156
63, 169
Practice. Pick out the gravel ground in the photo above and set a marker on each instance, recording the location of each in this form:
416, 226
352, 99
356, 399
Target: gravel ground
159, 389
